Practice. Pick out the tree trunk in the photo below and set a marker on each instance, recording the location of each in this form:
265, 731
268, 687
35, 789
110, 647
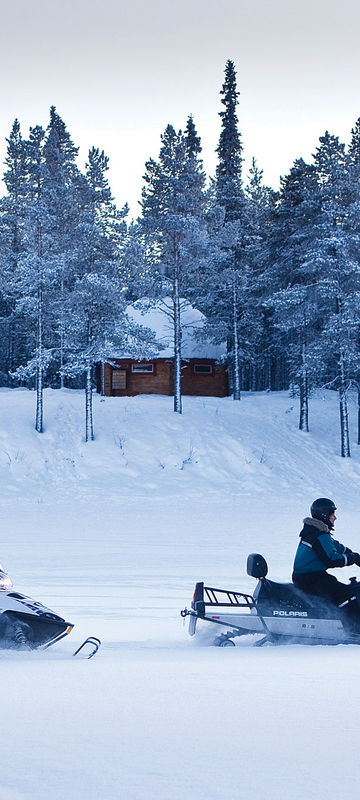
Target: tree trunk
102, 381
344, 417
11, 346
89, 430
39, 421
268, 374
230, 365
304, 393
177, 349
304, 405
253, 378
62, 335
236, 371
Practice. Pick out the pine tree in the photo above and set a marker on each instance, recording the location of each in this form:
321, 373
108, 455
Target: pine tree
66, 145
46, 266
229, 168
35, 273
230, 196
192, 140
292, 277
353, 226
259, 210
95, 308
337, 274
11, 235
174, 227
65, 188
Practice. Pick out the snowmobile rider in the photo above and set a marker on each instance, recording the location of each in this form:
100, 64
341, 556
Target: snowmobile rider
318, 551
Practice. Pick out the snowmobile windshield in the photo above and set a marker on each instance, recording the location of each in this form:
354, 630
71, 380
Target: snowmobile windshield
5, 581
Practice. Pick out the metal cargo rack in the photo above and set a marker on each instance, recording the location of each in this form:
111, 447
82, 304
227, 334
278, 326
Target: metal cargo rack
210, 597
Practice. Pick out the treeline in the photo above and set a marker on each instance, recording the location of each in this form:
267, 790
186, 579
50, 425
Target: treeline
275, 274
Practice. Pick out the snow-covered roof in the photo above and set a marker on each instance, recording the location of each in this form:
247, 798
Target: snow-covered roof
159, 319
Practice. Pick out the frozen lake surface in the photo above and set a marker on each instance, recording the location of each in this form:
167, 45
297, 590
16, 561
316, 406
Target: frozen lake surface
113, 535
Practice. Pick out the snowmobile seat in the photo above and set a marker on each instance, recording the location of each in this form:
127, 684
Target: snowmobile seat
283, 595
283, 592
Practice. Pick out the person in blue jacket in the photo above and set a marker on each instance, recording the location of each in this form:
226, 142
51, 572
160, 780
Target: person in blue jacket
318, 551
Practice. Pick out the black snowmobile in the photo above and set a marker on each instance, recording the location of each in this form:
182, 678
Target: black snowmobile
27, 624
279, 612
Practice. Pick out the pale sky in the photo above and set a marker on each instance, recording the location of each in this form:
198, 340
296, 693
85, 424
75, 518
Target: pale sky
118, 71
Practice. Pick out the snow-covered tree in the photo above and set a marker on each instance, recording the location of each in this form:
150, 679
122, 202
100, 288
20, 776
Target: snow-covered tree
11, 241
174, 227
227, 270
95, 311
35, 273
65, 188
352, 227
257, 221
292, 280
229, 192
338, 276
46, 266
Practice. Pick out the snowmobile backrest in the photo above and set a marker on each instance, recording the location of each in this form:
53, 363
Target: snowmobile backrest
256, 566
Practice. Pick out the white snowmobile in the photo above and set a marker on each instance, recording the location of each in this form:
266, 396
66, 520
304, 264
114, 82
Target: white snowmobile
27, 624
279, 612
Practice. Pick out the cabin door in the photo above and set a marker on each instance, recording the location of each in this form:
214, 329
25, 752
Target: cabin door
118, 381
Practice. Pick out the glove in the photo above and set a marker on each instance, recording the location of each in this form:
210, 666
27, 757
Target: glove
354, 558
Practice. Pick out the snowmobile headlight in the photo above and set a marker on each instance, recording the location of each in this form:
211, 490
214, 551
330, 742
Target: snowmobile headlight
5, 581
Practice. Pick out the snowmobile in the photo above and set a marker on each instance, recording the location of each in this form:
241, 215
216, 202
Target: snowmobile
27, 624
278, 613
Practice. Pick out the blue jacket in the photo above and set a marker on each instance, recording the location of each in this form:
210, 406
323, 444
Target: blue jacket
318, 551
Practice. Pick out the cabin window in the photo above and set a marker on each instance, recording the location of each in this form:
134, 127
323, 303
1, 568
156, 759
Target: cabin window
142, 368
118, 380
203, 369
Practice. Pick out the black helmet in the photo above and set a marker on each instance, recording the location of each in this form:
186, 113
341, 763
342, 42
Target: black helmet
322, 508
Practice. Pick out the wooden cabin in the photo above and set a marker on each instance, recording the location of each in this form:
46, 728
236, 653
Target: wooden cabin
202, 368
200, 376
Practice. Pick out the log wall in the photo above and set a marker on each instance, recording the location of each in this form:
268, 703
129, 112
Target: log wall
160, 381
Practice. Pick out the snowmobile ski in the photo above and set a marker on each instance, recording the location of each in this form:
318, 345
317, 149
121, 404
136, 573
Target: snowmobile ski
88, 648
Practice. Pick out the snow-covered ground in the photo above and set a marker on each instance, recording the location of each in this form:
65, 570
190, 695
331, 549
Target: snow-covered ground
113, 535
